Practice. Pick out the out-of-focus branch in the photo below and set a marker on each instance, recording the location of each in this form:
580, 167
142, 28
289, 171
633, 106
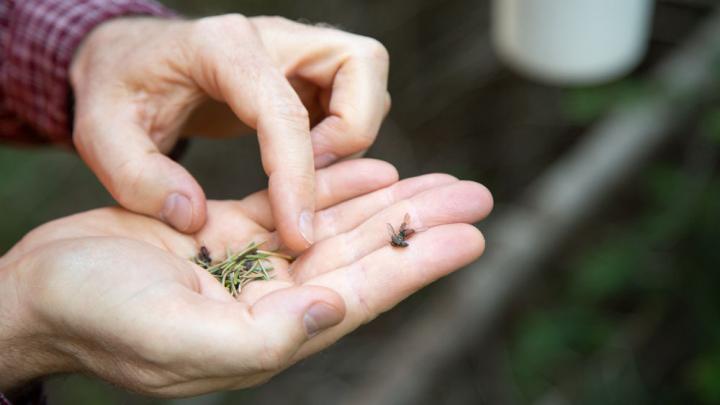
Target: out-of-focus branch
521, 237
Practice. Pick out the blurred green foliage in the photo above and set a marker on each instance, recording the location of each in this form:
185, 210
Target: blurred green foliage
584, 104
711, 125
32, 181
636, 316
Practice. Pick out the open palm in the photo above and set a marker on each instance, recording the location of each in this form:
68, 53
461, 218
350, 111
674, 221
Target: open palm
114, 294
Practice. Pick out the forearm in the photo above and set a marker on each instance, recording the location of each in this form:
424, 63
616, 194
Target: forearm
26, 349
17, 366
16, 374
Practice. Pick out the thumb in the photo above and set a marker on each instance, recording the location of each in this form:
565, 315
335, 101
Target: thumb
138, 175
287, 318
240, 345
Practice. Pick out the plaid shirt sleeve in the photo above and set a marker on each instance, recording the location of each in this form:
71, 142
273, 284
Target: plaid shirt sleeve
38, 39
32, 394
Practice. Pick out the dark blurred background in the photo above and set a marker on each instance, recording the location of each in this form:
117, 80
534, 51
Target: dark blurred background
624, 309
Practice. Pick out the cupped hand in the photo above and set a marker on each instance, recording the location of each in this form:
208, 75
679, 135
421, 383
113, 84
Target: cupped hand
314, 94
114, 294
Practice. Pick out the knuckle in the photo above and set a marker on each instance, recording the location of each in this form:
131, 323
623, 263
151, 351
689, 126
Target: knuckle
126, 181
234, 21
328, 221
305, 180
323, 187
292, 111
388, 102
204, 28
209, 30
361, 137
298, 178
274, 19
359, 130
374, 49
221, 23
363, 141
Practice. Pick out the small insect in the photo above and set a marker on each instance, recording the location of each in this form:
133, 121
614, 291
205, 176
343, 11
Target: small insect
204, 256
399, 239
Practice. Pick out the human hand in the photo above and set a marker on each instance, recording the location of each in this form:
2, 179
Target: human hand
114, 294
139, 83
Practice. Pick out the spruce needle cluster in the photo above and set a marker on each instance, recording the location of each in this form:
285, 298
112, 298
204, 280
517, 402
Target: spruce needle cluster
239, 268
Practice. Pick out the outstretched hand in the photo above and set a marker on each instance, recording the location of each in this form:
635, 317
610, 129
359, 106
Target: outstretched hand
114, 294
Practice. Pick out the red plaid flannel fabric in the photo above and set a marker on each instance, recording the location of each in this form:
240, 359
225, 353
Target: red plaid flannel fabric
38, 39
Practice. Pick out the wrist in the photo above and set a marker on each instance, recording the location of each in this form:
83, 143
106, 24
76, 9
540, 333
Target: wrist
26, 350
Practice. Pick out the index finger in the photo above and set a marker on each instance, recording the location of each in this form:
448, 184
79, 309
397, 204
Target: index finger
235, 67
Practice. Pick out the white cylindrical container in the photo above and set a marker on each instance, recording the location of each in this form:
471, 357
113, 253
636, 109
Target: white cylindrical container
571, 41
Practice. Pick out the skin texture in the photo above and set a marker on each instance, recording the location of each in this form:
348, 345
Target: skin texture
313, 94
112, 293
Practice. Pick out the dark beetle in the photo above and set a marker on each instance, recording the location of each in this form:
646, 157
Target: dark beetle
204, 256
399, 239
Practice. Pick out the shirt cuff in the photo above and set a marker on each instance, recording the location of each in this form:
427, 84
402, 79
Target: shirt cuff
32, 394
38, 47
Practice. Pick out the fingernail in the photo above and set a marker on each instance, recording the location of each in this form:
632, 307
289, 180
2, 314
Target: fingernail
306, 226
177, 211
324, 159
319, 317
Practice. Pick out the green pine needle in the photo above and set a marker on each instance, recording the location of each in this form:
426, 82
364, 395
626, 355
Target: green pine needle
240, 268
